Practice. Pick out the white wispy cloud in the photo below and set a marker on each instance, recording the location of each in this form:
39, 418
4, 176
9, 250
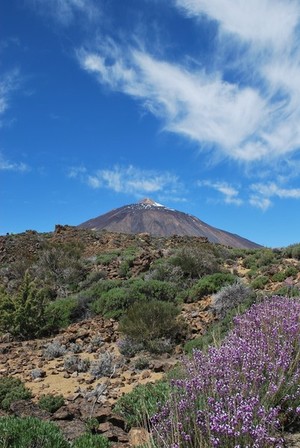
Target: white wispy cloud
251, 117
75, 172
260, 202
132, 180
7, 165
65, 11
230, 194
264, 192
8, 83
199, 106
266, 22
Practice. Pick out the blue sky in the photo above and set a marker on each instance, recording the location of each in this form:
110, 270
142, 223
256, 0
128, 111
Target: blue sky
193, 103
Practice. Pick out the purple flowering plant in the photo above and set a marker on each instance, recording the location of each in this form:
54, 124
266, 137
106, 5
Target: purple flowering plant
242, 393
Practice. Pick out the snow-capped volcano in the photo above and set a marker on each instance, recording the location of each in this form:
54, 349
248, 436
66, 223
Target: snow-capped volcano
148, 216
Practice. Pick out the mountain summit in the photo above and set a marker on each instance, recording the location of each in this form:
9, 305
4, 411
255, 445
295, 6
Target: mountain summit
148, 216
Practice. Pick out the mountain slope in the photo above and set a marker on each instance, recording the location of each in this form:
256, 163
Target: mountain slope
150, 217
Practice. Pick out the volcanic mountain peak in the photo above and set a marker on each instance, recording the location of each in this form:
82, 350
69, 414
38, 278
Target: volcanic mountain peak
148, 201
148, 216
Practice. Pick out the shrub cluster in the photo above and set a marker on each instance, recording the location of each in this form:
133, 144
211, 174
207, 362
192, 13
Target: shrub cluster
30, 432
229, 297
51, 403
148, 323
144, 400
12, 389
210, 284
241, 393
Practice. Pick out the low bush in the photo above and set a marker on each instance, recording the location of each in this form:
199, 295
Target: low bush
54, 350
12, 389
51, 403
137, 406
259, 282
210, 284
30, 432
104, 366
146, 322
113, 303
141, 363
292, 251
288, 291
279, 277
60, 313
107, 257
152, 290
230, 296
291, 271
195, 263
76, 364
91, 441
128, 347
243, 392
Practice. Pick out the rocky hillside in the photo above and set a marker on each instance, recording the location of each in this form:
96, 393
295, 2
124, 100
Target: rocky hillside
83, 284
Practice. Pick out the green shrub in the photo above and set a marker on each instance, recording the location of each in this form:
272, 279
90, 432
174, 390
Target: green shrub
164, 271
24, 314
141, 363
210, 284
279, 277
292, 251
195, 263
288, 291
260, 282
266, 257
30, 432
143, 402
60, 313
91, 441
51, 403
252, 273
107, 257
12, 389
250, 262
113, 303
60, 268
152, 290
149, 321
291, 271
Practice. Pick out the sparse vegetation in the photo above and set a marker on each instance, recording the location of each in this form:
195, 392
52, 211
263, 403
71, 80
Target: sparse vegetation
12, 389
145, 286
210, 284
147, 322
51, 403
137, 406
30, 432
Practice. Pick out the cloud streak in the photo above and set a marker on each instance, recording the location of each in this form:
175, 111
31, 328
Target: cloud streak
229, 193
132, 180
8, 83
65, 11
244, 118
7, 165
